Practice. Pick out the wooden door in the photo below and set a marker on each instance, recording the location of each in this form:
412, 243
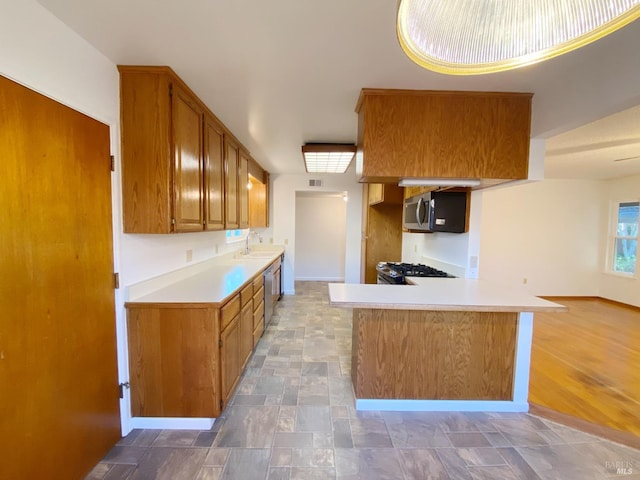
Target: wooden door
213, 174
229, 359
231, 184
58, 370
187, 163
243, 191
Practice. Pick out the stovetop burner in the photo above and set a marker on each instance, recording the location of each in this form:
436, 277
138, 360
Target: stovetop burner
410, 270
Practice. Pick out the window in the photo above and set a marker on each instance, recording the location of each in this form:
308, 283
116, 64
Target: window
625, 238
233, 236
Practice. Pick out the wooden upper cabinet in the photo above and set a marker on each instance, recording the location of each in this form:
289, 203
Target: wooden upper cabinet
187, 162
146, 150
243, 190
232, 160
389, 194
258, 201
410, 133
180, 164
213, 174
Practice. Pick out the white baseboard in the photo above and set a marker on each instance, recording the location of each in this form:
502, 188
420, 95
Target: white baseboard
171, 423
441, 405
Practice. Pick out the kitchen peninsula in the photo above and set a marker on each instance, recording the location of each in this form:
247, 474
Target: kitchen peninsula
440, 344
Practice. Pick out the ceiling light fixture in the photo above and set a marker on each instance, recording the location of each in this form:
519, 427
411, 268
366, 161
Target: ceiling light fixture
439, 182
467, 37
327, 157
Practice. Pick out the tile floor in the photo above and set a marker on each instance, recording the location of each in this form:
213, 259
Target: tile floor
292, 418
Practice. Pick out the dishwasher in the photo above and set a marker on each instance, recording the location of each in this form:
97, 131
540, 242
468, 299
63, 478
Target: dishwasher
268, 295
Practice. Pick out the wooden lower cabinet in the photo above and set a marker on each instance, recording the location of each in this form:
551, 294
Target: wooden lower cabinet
186, 360
173, 361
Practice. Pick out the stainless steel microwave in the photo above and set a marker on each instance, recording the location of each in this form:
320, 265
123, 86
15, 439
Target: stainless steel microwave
416, 212
437, 211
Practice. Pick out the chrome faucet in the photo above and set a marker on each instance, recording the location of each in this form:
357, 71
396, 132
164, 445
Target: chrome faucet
246, 241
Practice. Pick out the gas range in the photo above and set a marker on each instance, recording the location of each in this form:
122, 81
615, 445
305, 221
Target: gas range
395, 273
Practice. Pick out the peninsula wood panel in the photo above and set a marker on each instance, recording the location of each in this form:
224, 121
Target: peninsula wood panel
58, 370
173, 361
584, 364
443, 134
410, 354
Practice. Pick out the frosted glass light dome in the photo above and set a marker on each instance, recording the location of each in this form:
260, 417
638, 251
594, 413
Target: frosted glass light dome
465, 37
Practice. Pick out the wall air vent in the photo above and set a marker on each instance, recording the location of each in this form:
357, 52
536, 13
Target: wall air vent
315, 183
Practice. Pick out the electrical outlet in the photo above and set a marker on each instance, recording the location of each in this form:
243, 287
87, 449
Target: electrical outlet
189, 255
524, 281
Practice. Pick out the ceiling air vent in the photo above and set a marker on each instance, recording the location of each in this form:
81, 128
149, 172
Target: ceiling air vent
315, 183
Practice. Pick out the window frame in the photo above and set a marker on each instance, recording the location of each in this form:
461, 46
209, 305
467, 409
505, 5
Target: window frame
613, 236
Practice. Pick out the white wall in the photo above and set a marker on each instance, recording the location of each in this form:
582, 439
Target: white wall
611, 286
284, 191
320, 246
545, 232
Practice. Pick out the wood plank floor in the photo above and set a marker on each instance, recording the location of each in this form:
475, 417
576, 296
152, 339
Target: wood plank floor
586, 363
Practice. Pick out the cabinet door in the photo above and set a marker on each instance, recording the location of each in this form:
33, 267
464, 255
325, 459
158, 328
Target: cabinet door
246, 333
243, 190
375, 193
230, 358
187, 163
258, 205
258, 322
232, 158
213, 174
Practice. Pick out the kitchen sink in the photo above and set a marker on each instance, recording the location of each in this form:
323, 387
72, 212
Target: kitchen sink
258, 254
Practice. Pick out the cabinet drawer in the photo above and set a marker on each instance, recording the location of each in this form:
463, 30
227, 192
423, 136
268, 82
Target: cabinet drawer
258, 298
230, 310
246, 294
258, 282
258, 316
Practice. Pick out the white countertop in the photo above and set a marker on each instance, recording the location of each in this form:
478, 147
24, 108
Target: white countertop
211, 282
448, 294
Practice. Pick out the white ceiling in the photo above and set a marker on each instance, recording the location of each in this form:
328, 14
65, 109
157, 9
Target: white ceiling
285, 72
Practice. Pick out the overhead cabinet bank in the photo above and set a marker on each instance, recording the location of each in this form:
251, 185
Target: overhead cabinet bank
182, 169
442, 134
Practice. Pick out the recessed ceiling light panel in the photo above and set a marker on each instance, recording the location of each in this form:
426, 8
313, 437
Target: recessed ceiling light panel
327, 157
